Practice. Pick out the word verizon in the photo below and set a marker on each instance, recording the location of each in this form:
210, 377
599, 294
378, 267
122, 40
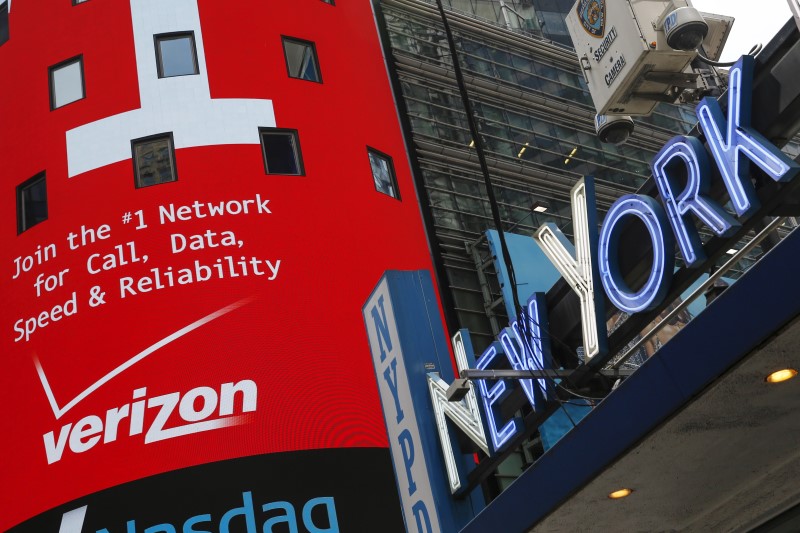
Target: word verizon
200, 409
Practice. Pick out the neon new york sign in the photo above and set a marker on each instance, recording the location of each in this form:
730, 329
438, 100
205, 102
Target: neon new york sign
682, 171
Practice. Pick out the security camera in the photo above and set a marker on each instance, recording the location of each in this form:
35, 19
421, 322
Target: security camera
613, 129
685, 29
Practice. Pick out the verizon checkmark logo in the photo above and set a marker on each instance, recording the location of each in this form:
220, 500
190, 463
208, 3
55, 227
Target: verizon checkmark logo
61, 411
196, 410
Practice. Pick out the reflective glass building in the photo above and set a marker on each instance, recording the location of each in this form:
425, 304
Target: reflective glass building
535, 120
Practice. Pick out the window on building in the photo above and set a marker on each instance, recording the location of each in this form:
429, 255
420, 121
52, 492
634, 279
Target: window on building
383, 173
176, 54
281, 149
3, 23
301, 59
154, 160
31, 203
66, 82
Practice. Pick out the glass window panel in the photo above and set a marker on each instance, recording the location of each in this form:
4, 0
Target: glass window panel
522, 63
476, 49
281, 152
500, 56
423, 126
301, 60
518, 120
451, 133
441, 199
553, 24
485, 9
415, 91
529, 20
383, 173
176, 55
506, 73
31, 203
566, 134
433, 45
461, 5
528, 81
66, 83
546, 71
416, 107
492, 113
154, 161
477, 65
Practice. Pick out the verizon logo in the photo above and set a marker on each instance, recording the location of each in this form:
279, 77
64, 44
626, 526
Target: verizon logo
158, 418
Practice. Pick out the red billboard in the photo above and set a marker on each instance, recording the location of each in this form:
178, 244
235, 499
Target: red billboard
199, 198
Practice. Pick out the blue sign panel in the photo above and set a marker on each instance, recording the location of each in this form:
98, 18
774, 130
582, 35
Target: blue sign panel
407, 341
534, 272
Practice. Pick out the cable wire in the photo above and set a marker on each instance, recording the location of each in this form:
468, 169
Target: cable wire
753, 52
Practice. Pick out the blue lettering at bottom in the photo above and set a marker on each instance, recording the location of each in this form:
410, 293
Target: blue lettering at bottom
330, 510
188, 526
318, 516
246, 511
289, 517
421, 517
161, 528
407, 448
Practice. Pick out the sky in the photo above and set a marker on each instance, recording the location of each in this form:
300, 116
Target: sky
757, 21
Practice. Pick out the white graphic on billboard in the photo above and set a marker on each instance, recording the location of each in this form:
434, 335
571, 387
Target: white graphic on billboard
61, 411
72, 521
179, 104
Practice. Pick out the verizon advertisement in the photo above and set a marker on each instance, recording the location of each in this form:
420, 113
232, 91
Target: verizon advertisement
190, 355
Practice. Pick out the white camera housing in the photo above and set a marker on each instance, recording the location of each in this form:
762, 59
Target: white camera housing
613, 129
625, 55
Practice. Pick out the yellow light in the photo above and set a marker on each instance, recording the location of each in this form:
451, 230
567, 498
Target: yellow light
781, 375
572, 153
523, 150
621, 493
472, 143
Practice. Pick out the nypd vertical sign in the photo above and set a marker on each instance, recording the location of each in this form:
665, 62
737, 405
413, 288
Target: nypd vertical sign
407, 341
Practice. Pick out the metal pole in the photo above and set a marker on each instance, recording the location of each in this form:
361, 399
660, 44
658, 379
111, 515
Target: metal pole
473, 128
494, 375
